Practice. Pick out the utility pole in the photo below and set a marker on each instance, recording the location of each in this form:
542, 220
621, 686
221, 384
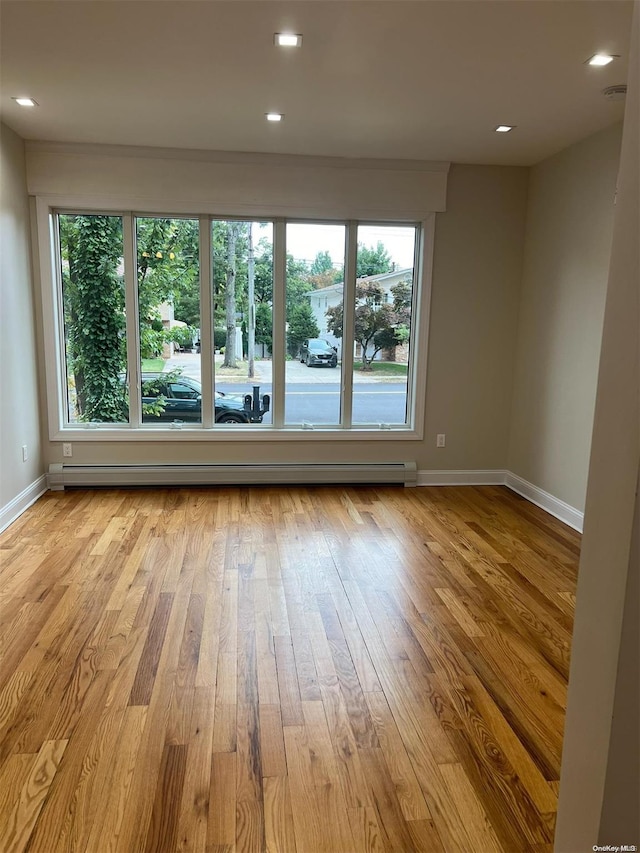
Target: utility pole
251, 330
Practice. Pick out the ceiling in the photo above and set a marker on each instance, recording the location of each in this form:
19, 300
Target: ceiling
373, 78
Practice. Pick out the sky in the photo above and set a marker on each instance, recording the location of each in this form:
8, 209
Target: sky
304, 241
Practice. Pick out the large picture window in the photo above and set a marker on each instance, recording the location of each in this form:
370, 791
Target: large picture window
210, 325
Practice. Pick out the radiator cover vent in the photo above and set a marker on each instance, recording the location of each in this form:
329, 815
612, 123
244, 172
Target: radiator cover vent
61, 475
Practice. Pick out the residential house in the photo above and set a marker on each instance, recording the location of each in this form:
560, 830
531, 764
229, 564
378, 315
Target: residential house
328, 297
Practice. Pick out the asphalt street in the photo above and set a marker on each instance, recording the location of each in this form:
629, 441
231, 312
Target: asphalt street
312, 395
320, 404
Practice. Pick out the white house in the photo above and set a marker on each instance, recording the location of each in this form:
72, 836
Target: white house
328, 297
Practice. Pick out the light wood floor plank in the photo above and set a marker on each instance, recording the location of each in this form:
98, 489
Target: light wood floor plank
24, 813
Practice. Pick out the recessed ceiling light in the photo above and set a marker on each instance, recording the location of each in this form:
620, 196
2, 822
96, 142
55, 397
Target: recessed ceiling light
504, 128
601, 59
287, 39
25, 102
274, 116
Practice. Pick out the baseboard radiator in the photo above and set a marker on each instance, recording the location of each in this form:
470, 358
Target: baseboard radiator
60, 475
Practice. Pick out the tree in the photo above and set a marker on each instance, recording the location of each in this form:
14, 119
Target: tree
321, 264
186, 287
402, 297
264, 325
372, 260
322, 272
264, 271
302, 325
168, 270
378, 324
300, 280
298, 285
94, 314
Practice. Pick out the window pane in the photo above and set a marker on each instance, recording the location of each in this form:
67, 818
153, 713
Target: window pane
384, 296
168, 277
243, 320
92, 267
315, 276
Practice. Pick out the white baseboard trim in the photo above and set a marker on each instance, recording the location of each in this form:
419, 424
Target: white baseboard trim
17, 506
461, 478
554, 506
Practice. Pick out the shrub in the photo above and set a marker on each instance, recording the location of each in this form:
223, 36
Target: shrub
219, 338
183, 336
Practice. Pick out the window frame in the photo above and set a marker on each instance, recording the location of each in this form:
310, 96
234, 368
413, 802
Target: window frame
46, 262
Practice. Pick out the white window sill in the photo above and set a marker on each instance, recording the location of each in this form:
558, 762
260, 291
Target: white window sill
241, 433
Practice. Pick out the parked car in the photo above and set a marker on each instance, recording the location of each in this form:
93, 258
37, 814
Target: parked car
315, 352
183, 401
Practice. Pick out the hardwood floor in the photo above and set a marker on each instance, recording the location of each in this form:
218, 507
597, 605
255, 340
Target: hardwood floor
283, 669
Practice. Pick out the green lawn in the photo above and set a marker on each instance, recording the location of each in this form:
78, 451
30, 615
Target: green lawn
384, 368
152, 365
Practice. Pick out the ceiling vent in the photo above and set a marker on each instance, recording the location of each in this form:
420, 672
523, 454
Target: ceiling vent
615, 93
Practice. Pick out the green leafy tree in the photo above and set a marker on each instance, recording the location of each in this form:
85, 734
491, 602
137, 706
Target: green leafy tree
264, 325
168, 269
298, 279
302, 325
298, 285
402, 297
321, 264
94, 314
323, 272
264, 271
372, 260
378, 324
186, 288
151, 342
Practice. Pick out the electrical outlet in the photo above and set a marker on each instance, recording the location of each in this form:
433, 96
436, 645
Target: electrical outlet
440, 439
67, 450
25, 453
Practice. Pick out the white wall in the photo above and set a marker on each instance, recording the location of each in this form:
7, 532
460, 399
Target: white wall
474, 310
19, 409
566, 261
609, 545
620, 815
